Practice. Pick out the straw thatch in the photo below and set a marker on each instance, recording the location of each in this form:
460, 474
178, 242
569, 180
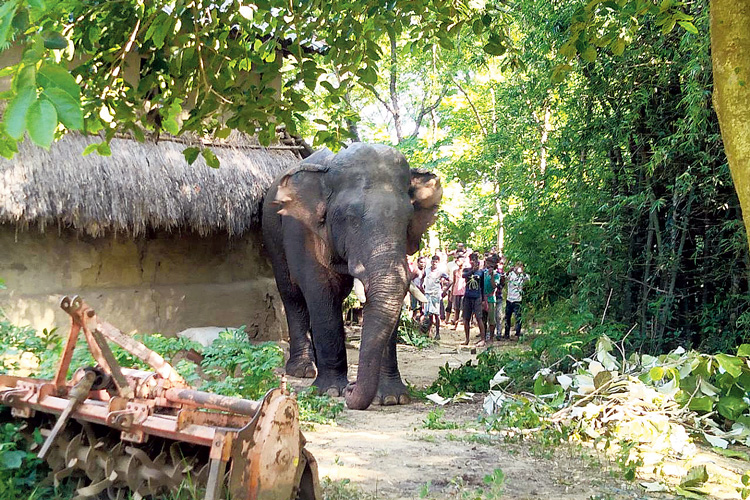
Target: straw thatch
141, 186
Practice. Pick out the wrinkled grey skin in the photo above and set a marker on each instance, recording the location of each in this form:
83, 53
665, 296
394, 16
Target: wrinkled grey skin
356, 214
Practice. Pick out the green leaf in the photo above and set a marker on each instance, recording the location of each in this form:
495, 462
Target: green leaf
743, 350
494, 49
15, 114
477, 27
90, 149
11, 459
589, 54
731, 453
37, 4
211, 159
695, 477
53, 75
730, 364
161, 32
368, 75
704, 404
618, 47
191, 154
7, 12
25, 78
41, 121
171, 126
68, 109
731, 407
656, 373
54, 40
689, 494
689, 27
104, 149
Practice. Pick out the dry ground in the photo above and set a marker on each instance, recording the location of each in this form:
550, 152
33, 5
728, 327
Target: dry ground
385, 452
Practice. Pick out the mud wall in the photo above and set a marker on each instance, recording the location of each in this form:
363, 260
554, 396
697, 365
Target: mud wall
161, 283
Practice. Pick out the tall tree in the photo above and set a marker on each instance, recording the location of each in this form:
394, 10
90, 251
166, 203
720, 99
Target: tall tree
730, 52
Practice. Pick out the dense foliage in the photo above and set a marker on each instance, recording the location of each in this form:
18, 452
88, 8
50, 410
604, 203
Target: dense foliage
607, 177
121, 66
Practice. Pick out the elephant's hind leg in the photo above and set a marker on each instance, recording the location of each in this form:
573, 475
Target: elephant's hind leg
301, 361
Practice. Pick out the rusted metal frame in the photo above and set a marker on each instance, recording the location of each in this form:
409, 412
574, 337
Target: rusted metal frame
67, 354
123, 387
140, 351
77, 396
156, 425
213, 401
221, 449
84, 314
187, 417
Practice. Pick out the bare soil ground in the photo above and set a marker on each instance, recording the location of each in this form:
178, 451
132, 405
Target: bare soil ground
385, 452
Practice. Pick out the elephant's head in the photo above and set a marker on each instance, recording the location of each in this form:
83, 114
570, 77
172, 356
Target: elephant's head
368, 210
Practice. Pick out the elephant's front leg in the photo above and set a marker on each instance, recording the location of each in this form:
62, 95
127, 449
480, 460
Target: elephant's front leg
391, 389
327, 323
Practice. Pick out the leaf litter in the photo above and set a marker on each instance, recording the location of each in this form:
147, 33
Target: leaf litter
678, 422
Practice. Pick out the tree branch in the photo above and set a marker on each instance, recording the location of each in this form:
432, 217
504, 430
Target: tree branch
424, 111
473, 108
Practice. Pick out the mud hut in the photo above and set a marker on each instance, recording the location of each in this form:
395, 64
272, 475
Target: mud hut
154, 244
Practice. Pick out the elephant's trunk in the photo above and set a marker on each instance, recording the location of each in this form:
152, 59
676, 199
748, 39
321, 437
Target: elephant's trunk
386, 288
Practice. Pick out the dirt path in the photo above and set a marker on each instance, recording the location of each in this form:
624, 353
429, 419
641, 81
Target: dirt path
386, 453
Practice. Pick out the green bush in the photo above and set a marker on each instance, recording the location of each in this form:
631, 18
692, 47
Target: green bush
519, 365
21, 472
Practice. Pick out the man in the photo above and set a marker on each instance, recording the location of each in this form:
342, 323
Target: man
417, 275
491, 282
499, 289
458, 288
474, 298
435, 280
516, 279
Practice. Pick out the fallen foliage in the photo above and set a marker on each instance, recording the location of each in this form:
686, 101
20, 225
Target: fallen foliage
657, 417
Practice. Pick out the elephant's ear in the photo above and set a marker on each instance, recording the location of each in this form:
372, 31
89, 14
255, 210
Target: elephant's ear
302, 194
425, 193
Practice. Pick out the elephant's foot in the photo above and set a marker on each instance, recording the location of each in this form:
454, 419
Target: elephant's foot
301, 367
331, 384
392, 391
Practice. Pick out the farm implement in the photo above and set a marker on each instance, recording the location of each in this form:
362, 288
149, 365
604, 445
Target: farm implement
118, 429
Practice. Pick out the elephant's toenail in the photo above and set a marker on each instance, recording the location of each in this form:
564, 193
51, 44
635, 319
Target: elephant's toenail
390, 400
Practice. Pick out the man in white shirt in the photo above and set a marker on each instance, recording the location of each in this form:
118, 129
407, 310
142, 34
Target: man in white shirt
435, 280
516, 279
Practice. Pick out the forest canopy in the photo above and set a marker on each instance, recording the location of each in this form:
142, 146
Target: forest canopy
579, 137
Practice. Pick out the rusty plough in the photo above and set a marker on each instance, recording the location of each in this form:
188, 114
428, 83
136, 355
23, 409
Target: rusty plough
121, 429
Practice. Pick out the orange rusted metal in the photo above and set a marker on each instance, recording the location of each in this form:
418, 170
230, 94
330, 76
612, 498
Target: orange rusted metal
259, 442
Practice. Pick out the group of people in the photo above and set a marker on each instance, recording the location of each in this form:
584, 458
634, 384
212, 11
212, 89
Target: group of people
474, 287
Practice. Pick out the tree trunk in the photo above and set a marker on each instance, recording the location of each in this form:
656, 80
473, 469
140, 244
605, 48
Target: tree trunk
730, 53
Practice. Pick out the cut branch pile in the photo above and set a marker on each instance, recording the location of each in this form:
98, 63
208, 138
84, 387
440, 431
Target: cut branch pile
646, 412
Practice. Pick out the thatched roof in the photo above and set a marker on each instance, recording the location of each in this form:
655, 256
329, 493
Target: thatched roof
141, 186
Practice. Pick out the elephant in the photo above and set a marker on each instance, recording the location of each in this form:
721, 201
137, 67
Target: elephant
330, 220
